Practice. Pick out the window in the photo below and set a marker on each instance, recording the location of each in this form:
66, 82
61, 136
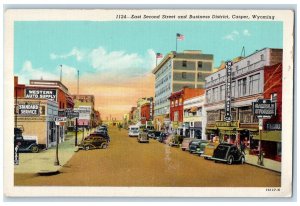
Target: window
176, 102
222, 92
183, 75
246, 115
180, 101
233, 89
176, 116
199, 75
242, 87
42, 110
199, 111
184, 63
208, 96
274, 97
215, 94
262, 57
254, 84
199, 64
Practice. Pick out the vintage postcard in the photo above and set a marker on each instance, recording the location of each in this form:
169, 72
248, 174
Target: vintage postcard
148, 103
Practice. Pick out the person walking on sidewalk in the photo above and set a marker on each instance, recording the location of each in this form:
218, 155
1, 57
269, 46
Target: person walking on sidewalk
243, 147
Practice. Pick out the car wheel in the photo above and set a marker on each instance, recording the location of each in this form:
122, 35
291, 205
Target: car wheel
206, 158
35, 149
230, 160
182, 149
104, 146
87, 147
242, 160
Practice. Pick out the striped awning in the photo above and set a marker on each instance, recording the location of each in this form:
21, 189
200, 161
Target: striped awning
272, 136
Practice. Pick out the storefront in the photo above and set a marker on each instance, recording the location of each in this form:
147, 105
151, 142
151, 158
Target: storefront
37, 119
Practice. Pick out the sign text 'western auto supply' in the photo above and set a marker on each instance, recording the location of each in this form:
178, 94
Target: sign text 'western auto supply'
41, 94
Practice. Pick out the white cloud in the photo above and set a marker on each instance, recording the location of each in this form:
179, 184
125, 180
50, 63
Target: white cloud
122, 63
232, 36
78, 54
246, 32
28, 72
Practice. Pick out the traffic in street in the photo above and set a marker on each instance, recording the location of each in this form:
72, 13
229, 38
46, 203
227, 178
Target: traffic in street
127, 162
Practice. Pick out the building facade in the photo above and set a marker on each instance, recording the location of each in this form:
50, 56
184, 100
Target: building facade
247, 85
175, 71
176, 107
193, 117
85, 105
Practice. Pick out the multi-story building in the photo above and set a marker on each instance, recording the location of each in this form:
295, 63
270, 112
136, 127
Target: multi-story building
194, 117
176, 107
247, 85
175, 71
85, 105
147, 110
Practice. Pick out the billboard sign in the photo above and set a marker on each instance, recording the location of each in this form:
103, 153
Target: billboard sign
228, 117
50, 94
29, 109
84, 112
264, 108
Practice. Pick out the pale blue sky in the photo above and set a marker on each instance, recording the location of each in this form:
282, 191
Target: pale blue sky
115, 59
43, 45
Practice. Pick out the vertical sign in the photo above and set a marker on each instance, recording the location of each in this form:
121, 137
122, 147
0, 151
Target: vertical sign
227, 116
151, 107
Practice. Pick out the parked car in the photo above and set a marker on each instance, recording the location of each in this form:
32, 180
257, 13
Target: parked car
151, 134
162, 137
185, 144
200, 149
133, 131
157, 134
228, 153
143, 137
25, 145
195, 144
209, 150
104, 133
175, 141
94, 141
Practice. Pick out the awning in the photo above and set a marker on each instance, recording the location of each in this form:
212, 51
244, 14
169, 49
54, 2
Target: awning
211, 128
273, 136
249, 129
193, 109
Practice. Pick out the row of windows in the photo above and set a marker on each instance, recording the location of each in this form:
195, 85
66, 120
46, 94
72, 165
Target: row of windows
166, 67
200, 64
162, 90
192, 114
163, 80
175, 103
160, 111
218, 93
160, 101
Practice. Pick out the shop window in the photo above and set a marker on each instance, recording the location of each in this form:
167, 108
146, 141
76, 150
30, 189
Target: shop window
180, 101
246, 115
254, 84
176, 102
184, 63
42, 110
242, 83
222, 92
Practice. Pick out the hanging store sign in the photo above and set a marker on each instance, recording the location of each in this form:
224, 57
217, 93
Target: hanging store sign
29, 109
264, 108
49, 94
228, 117
84, 112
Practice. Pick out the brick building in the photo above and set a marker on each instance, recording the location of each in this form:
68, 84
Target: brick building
176, 105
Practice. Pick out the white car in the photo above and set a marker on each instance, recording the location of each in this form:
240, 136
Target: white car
133, 131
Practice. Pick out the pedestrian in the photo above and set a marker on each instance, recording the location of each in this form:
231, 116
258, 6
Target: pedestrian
16, 156
243, 147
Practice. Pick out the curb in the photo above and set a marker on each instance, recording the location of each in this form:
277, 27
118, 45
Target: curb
262, 167
48, 172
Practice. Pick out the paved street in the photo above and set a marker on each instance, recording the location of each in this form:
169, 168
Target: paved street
129, 163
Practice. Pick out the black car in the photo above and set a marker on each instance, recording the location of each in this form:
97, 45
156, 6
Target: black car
228, 153
104, 134
195, 145
151, 134
156, 135
24, 144
162, 137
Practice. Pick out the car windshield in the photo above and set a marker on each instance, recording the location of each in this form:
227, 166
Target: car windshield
223, 147
134, 129
157, 133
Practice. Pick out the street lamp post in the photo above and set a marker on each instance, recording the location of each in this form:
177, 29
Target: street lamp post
56, 163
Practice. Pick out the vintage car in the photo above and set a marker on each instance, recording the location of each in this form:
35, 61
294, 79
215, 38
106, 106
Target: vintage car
133, 131
209, 149
162, 137
25, 145
229, 153
94, 141
151, 133
185, 144
197, 146
143, 137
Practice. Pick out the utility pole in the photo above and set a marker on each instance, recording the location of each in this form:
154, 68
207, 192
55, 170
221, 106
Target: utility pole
56, 163
76, 130
61, 73
78, 82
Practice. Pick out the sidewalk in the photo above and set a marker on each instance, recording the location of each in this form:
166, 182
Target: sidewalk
44, 160
268, 163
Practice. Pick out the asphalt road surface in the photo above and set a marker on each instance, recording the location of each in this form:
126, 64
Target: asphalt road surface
129, 163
